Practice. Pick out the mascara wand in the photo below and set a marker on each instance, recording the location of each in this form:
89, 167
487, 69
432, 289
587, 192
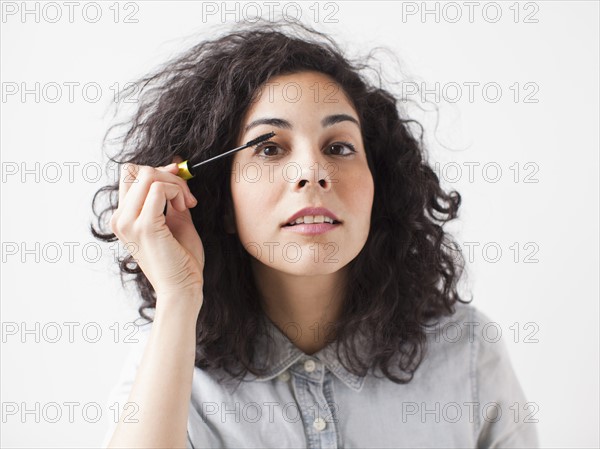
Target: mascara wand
186, 172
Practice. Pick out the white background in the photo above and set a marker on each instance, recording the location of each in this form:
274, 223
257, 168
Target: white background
558, 215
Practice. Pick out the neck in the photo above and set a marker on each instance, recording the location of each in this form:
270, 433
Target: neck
302, 307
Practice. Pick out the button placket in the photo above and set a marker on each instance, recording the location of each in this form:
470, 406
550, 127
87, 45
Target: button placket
319, 424
310, 369
309, 365
308, 380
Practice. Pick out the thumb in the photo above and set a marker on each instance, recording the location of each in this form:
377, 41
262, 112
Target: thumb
172, 167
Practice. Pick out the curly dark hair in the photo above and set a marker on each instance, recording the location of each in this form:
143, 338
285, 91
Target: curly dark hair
406, 274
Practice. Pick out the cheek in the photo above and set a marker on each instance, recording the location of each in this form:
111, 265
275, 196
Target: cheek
363, 192
358, 192
252, 206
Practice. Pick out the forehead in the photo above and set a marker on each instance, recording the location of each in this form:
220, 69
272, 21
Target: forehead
306, 77
300, 90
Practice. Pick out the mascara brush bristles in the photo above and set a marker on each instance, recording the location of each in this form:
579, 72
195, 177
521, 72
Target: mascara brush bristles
259, 139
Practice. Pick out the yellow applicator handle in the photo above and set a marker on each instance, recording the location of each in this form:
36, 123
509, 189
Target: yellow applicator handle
184, 171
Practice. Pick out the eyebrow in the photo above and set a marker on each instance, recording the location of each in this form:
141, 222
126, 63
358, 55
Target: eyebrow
330, 120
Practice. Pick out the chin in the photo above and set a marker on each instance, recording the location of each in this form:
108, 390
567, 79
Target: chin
308, 268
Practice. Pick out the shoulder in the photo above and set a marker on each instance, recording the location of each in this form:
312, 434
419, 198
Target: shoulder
464, 313
465, 345
485, 337
467, 326
469, 335
456, 330
501, 404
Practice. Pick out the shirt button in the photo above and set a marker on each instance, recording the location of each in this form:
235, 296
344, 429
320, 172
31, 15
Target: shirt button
284, 377
309, 366
319, 423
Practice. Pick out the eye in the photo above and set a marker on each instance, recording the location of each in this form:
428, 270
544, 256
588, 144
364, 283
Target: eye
336, 149
263, 145
349, 146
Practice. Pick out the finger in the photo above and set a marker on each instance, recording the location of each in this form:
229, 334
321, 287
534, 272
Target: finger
177, 159
128, 176
155, 201
136, 196
182, 227
173, 169
130, 173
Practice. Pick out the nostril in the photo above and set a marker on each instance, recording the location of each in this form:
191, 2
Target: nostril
322, 182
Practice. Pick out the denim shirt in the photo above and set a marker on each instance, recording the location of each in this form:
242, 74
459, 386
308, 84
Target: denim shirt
464, 394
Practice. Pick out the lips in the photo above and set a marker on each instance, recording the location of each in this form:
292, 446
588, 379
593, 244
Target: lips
311, 229
311, 211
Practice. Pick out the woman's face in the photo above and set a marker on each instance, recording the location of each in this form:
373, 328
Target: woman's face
307, 164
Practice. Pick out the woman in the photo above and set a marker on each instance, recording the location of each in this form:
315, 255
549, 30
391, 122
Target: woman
302, 290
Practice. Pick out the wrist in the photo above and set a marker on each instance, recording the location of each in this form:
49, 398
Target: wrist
186, 304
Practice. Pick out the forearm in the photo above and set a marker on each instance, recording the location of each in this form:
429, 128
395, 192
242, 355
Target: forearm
163, 383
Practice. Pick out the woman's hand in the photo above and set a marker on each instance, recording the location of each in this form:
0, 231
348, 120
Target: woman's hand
167, 248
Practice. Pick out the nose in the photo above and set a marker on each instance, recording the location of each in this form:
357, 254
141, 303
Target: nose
311, 170
314, 176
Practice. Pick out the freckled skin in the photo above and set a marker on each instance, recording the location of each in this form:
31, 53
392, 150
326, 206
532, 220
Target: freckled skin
263, 198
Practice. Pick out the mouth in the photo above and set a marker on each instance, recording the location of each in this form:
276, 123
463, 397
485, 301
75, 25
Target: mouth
312, 222
304, 226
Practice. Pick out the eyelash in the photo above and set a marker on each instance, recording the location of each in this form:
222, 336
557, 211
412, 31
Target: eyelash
262, 145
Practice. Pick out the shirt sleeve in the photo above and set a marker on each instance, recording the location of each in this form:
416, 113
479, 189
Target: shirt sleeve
120, 392
506, 418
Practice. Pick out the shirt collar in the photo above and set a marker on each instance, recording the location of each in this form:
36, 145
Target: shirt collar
277, 352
